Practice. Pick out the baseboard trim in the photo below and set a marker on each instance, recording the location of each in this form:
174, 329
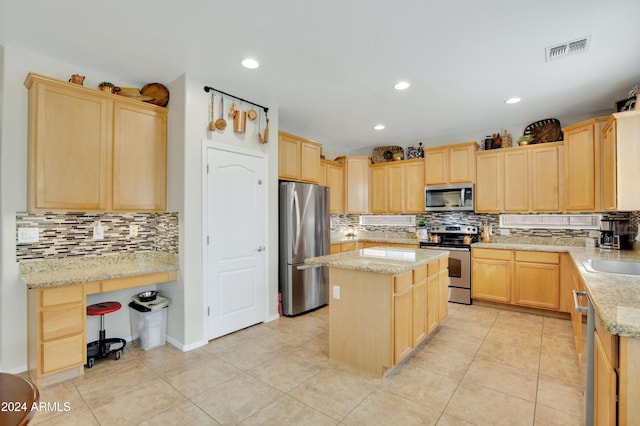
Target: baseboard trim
186, 348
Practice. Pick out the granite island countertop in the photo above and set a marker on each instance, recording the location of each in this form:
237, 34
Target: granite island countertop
615, 297
73, 270
380, 260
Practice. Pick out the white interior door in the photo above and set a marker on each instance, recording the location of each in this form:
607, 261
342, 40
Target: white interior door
236, 229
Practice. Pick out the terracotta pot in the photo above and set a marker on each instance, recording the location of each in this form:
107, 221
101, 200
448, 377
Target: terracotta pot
77, 79
107, 89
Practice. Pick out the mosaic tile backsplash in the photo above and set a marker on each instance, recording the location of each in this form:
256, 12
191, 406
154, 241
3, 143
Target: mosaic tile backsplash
339, 223
71, 234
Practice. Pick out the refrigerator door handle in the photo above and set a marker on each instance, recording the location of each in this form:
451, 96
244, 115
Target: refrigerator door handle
303, 267
296, 204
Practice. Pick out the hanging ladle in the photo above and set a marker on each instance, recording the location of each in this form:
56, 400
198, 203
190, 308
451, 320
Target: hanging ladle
212, 125
265, 138
266, 129
221, 123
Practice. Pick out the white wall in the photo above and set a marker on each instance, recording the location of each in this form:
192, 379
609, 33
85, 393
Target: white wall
188, 128
474, 135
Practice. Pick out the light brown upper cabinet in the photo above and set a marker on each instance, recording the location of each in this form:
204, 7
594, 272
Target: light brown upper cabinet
523, 179
582, 165
332, 175
620, 152
450, 164
93, 151
379, 188
397, 187
356, 176
298, 158
489, 181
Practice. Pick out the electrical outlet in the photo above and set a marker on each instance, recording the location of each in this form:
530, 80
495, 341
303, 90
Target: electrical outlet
594, 234
28, 235
133, 230
98, 231
336, 292
505, 231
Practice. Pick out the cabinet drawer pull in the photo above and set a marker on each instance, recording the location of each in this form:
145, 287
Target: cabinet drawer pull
576, 303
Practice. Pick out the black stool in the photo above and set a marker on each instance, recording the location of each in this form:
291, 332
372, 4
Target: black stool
103, 347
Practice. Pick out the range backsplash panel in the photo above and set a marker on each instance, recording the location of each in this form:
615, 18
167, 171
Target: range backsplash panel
71, 234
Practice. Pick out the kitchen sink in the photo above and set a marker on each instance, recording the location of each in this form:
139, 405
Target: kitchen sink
612, 266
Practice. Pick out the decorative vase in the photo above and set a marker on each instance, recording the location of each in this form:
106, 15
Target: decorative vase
422, 233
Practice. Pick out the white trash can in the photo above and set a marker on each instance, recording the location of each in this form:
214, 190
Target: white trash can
149, 321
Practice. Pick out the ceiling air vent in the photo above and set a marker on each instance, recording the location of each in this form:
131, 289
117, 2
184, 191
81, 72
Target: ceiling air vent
560, 51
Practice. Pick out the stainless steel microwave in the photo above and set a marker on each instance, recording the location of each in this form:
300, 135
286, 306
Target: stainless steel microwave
440, 198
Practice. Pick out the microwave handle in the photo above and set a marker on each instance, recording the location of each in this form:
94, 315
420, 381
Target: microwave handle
462, 197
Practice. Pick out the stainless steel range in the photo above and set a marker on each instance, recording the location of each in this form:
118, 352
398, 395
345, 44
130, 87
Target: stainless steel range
457, 239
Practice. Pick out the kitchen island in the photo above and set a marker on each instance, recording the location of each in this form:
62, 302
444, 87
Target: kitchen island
384, 302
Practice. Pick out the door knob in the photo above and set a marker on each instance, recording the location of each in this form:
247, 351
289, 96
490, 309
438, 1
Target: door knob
260, 248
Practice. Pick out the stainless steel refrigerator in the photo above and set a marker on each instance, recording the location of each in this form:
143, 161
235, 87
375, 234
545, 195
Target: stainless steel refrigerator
304, 232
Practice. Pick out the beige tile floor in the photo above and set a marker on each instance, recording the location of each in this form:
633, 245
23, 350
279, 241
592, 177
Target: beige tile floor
483, 366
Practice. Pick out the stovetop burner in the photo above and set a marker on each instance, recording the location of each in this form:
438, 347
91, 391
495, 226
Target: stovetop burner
451, 236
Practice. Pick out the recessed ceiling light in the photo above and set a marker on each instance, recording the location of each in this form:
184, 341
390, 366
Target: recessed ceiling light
512, 101
401, 85
250, 63
378, 127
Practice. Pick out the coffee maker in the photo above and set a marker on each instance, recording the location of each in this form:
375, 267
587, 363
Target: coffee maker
614, 234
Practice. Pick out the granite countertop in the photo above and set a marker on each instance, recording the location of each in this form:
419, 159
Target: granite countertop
72, 270
615, 297
380, 260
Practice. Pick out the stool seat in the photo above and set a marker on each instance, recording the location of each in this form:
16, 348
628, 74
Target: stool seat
103, 308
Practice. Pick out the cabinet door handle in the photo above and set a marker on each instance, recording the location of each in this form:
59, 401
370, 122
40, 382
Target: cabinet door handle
576, 303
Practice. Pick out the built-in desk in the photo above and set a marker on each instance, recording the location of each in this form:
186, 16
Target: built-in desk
56, 304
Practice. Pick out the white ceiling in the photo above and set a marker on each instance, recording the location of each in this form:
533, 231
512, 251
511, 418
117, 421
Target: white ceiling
329, 66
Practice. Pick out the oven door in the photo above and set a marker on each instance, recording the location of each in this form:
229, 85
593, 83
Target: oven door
459, 273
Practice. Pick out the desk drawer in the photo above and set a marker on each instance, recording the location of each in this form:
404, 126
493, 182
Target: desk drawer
62, 321
60, 295
63, 353
137, 281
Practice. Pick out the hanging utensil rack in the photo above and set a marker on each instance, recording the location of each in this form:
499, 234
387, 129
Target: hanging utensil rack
209, 89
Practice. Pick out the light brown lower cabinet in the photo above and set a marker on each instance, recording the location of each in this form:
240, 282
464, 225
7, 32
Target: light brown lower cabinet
403, 315
523, 278
491, 275
342, 247
56, 328
577, 318
357, 245
378, 319
605, 382
616, 378
537, 279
